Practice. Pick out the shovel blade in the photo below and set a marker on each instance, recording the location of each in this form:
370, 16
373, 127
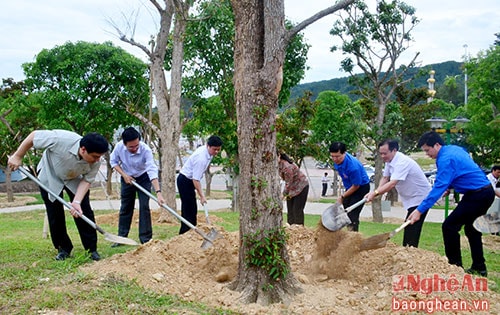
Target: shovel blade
488, 223
119, 239
374, 242
208, 241
334, 218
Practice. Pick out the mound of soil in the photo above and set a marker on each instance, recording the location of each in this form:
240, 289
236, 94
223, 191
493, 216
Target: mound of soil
336, 277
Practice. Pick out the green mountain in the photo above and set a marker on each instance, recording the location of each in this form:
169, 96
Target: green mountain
442, 70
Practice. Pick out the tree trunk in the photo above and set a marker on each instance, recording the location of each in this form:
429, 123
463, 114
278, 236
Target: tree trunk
258, 58
208, 181
169, 104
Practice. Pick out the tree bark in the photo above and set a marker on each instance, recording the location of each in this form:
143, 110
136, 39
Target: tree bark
258, 58
259, 52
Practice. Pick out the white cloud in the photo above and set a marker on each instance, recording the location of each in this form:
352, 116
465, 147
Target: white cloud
28, 26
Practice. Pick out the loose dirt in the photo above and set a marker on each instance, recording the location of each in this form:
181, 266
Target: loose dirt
335, 275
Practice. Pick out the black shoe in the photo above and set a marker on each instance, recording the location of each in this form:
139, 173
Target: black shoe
482, 273
62, 255
95, 256
116, 245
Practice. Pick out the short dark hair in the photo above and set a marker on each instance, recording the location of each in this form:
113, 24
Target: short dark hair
338, 146
214, 141
430, 138
391, 143
495, 168
284, 156
94, 143
130, 134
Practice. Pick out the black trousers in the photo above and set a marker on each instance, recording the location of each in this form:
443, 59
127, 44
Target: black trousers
295, 207
325, 188
352, 199
189, 207
473, 204
127, 195
412, 232
57, 223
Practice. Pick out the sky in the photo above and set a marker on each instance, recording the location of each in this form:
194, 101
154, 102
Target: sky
28, 26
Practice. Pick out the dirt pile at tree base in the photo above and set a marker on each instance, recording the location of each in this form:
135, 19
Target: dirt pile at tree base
336, 277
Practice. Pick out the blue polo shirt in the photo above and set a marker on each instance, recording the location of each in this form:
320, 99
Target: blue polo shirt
457, 170
352, 172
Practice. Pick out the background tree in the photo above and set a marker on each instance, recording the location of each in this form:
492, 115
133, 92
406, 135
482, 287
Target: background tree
18, 113
293, 128
260, 41
336, 119
414, 110
483, 108
86, 87
168, 100
373, 42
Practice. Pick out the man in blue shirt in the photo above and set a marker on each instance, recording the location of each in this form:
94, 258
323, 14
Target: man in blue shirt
457, 170
188, 181
133, 160
354, 178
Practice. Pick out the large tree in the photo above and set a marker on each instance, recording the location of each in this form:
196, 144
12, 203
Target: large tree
260, 42
374, 43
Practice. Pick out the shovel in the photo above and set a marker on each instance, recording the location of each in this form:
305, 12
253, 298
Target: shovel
213, 234
107, 236
335, 217
488, 223
378, 241
208, 239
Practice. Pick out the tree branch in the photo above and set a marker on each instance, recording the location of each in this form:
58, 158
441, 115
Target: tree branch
321, 14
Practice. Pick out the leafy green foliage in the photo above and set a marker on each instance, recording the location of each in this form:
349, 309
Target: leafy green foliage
293, 127
483, 108
87, 87
265, 251
336, 119
18, 111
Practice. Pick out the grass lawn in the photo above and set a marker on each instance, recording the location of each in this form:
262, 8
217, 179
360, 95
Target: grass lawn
32, 281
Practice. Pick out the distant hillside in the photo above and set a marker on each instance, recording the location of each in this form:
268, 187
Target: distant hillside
444, 69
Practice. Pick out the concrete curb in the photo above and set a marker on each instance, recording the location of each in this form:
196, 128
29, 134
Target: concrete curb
316, 208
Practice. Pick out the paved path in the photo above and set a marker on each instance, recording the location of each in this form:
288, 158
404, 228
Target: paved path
215, 204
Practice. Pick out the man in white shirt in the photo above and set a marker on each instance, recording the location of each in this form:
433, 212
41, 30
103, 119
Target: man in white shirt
494, 177
404, 174
188, 181
134, 161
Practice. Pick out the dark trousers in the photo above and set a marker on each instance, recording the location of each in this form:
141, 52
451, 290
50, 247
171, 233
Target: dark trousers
295, 207
352, 199
127, 195
57, 223
472, 205
325, 188
189, 207
412, 232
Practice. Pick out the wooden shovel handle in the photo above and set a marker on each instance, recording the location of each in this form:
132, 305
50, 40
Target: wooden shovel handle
402, 226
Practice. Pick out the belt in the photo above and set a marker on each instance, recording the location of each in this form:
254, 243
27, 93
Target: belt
480, 189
